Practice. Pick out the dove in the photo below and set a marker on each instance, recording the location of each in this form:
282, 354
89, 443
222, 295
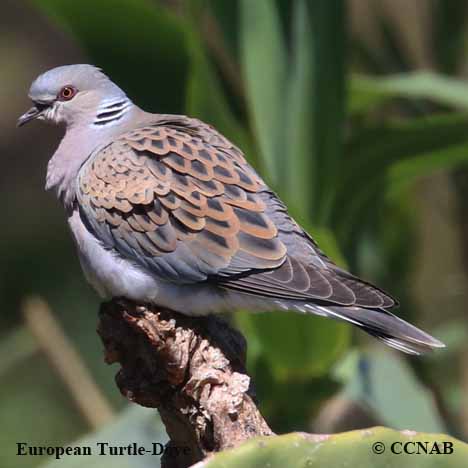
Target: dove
165, 210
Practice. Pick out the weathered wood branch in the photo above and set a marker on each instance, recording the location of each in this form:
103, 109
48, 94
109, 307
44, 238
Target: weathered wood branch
191, 369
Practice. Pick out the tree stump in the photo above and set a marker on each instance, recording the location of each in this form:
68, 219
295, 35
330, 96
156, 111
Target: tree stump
192, 369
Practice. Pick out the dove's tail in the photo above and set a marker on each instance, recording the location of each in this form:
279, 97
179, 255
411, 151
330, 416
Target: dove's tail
381, 324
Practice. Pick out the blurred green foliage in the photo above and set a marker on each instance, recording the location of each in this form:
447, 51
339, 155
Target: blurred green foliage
365, 379
134, 424
287, 83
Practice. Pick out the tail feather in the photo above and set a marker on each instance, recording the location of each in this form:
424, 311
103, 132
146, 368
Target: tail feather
412, 348
383, 325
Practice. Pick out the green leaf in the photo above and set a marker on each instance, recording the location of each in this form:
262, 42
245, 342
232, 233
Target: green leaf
297, 108
349, 449
296, 345
369, 92
372, 152
264, 63
140, 44
368, 376
298, 181
404, 173
227, 15
134, 424
327, 100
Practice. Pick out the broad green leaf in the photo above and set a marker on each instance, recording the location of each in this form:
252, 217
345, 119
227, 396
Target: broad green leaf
227, 16
297, 108
404, 173
454, 333
264, 64
137, 42
298, 181
134, 425
296, 345
327, 99
348, 449
369, 92
372, 152
368, 376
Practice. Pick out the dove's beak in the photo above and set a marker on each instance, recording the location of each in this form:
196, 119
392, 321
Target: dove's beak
32, 114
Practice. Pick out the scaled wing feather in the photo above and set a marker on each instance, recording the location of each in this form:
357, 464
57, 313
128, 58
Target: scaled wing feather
180, 200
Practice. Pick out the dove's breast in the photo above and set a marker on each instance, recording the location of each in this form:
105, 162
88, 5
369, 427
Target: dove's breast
109, 274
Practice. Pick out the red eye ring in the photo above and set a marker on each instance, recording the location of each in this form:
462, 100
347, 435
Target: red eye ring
67, 93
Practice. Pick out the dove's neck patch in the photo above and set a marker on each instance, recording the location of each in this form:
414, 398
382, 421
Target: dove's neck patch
109, 113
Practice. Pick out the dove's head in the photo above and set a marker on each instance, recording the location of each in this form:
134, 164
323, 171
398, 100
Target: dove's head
76, 94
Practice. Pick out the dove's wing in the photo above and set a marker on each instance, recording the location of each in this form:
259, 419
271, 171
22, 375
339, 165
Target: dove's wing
179, 199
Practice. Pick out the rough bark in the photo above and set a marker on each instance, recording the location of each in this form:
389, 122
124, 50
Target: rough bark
191, 369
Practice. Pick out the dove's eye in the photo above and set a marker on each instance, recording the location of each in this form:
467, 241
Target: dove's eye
66, 93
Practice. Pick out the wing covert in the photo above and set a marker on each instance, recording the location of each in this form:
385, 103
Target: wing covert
180, 201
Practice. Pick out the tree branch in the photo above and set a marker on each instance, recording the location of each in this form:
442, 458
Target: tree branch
191, 369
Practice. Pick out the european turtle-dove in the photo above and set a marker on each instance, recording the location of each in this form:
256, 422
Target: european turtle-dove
165, 210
